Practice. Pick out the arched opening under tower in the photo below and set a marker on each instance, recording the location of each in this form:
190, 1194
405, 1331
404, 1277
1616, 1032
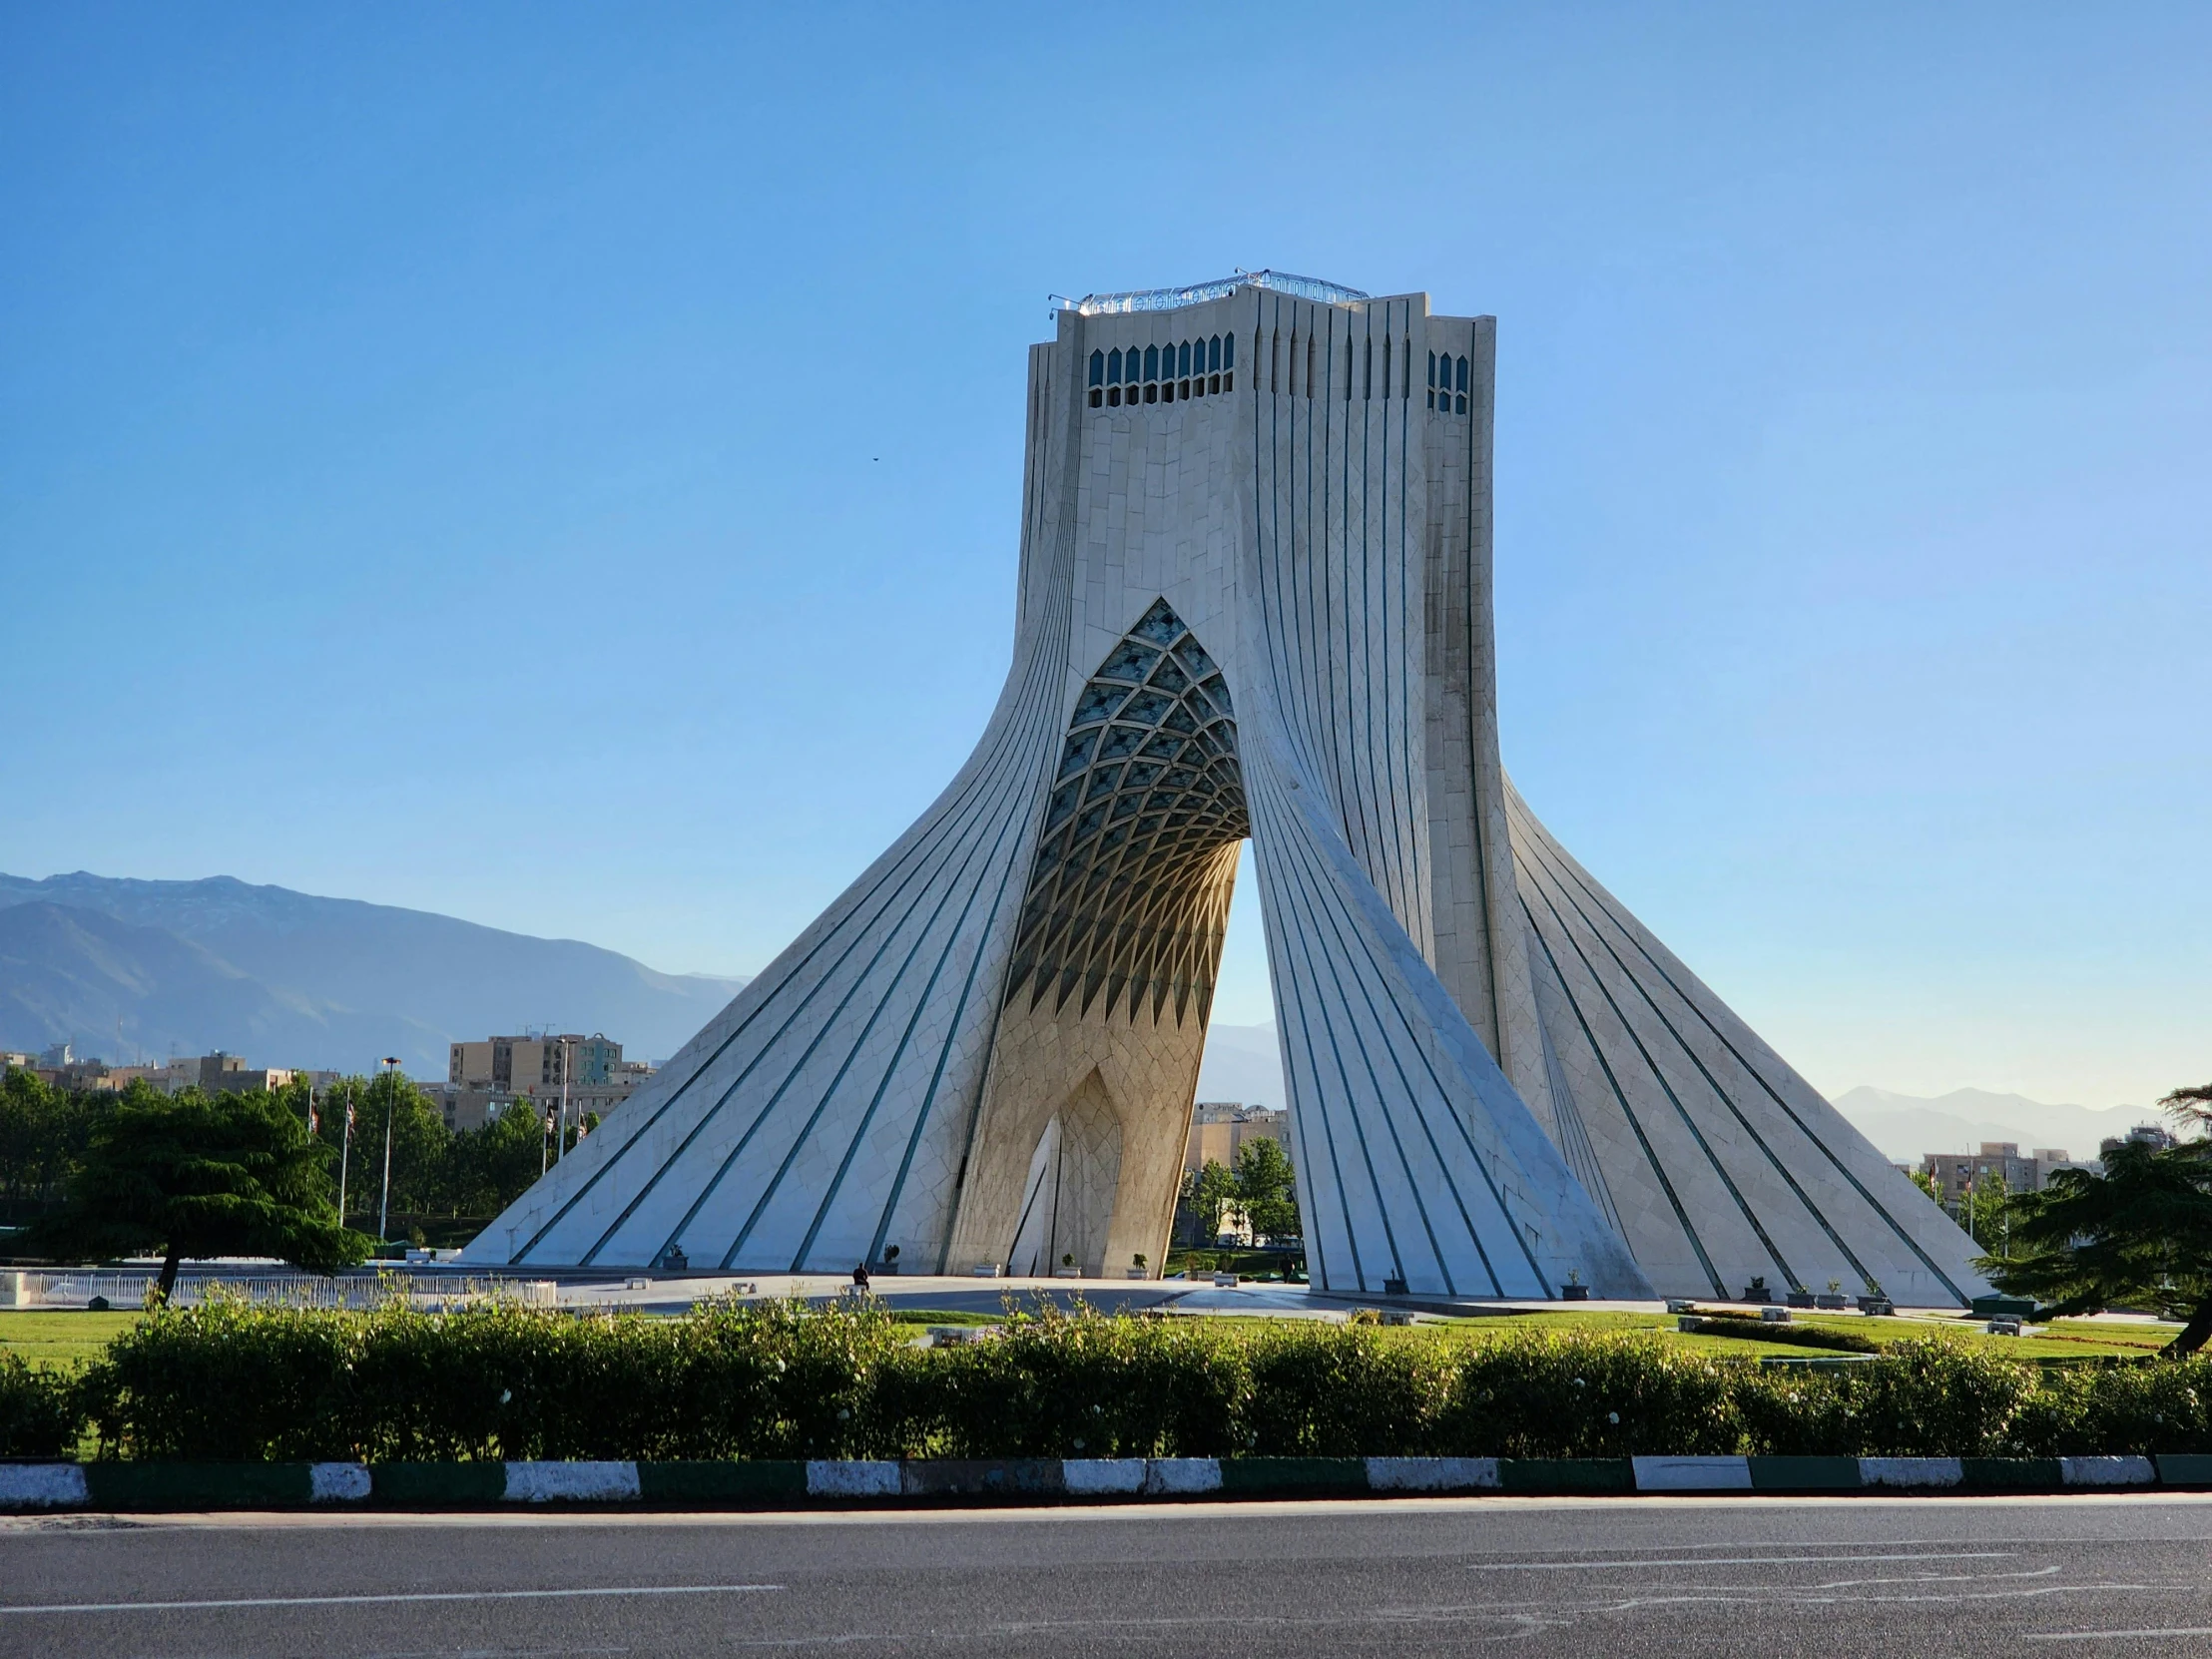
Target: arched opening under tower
1103, 1018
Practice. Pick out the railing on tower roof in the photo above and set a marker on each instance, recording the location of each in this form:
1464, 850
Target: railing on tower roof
1169, 300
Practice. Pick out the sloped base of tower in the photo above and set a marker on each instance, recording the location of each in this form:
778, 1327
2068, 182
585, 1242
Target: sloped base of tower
1722, 1165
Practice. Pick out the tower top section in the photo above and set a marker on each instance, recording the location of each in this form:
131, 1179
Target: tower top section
1173, 299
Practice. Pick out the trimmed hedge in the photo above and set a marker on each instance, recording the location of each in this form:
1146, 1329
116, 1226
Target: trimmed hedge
736, 1381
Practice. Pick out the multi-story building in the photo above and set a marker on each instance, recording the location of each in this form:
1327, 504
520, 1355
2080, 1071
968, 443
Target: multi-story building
1957, 1172
1220, 1129
480, 1075
2143, 1134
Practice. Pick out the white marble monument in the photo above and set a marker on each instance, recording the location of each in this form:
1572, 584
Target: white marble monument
1254, 602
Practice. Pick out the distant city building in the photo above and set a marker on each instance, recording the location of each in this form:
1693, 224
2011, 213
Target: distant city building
1219, 1128
2143, 1134
482, 1078
221, 1074
1957, 1172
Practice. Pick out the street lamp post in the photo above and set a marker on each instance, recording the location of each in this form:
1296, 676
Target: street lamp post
391, 1098
346, 1149
560, 1136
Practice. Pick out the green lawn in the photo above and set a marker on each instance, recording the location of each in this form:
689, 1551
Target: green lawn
66, 1338
2066, 1339
59, 1337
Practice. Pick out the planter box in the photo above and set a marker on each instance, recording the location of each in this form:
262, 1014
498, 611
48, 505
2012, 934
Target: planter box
1877, 1304
1800, 1298
1067, 1273
1832, 1298
1140, 1273
1574, 1292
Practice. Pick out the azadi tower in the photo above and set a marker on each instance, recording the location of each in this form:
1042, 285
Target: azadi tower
1254, 602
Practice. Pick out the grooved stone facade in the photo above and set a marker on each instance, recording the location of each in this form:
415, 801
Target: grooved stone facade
1253, 602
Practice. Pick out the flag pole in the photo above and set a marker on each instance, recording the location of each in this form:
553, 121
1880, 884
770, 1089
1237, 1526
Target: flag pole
391, 1103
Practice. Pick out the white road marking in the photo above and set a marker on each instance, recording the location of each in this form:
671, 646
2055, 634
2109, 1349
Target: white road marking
371, 1600
2115, 1635
1741, 1561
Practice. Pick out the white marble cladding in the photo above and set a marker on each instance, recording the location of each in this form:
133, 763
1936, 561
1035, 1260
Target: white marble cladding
1497, 1081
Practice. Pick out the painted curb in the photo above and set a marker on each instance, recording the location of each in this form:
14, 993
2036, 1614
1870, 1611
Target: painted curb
1103, 1476
1433, 1475
1292, 1476
852, 1477
1804, 1475
982, 1477
436, 1485
1692, 1474
578, 1483
156, 1487
1910, 1471
118, 1485
2109, 1471
1181, 1476
42, 1485
1566, 1476
337, 1483
767, 1482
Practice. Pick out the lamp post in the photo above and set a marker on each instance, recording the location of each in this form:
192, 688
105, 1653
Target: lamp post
346, 1149
391, 1099
560, 1135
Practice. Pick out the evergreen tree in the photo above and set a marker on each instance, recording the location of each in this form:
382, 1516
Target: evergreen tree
236, 1175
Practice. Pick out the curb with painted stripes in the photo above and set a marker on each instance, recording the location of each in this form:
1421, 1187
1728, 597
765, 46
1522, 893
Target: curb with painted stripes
156, 1487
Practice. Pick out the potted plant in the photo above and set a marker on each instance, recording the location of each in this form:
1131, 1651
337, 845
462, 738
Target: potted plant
1799, 1297
1066, 1269
1757, 1291
1574, 1290
1875, 1300
1137, 1267
889, 1263
1833, 1296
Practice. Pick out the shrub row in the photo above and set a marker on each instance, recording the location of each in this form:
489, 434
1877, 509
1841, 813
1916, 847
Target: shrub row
743, 1380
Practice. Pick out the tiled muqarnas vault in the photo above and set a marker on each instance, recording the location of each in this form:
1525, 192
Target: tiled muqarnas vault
1255, 601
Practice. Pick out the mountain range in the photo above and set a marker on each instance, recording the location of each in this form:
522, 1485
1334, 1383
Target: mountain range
1242, 1065
126, 969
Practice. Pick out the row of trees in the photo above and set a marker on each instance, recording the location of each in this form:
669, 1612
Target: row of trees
1260, 1187
260, 1174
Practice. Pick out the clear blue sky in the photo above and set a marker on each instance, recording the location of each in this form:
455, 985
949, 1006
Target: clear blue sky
558, 465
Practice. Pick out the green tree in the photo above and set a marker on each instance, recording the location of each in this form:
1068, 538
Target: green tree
420, 1141
1209, 1190
1984, 1211
43, 1134
2139, 1234
1927, 1182
487, 1169
1266, 1188
234, 1176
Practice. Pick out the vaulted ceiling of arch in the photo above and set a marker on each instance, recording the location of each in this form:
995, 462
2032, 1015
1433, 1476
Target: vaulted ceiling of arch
1129, 893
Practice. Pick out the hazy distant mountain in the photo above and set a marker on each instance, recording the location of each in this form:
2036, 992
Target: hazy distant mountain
1906, 1126
288, 978
1242, 1064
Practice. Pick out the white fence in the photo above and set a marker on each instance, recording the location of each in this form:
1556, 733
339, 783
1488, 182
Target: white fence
434, 1292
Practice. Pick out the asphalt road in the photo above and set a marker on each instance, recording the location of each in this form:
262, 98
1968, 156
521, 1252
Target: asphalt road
1635, 1576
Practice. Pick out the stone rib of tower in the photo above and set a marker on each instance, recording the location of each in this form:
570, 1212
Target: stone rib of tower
1254, 601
